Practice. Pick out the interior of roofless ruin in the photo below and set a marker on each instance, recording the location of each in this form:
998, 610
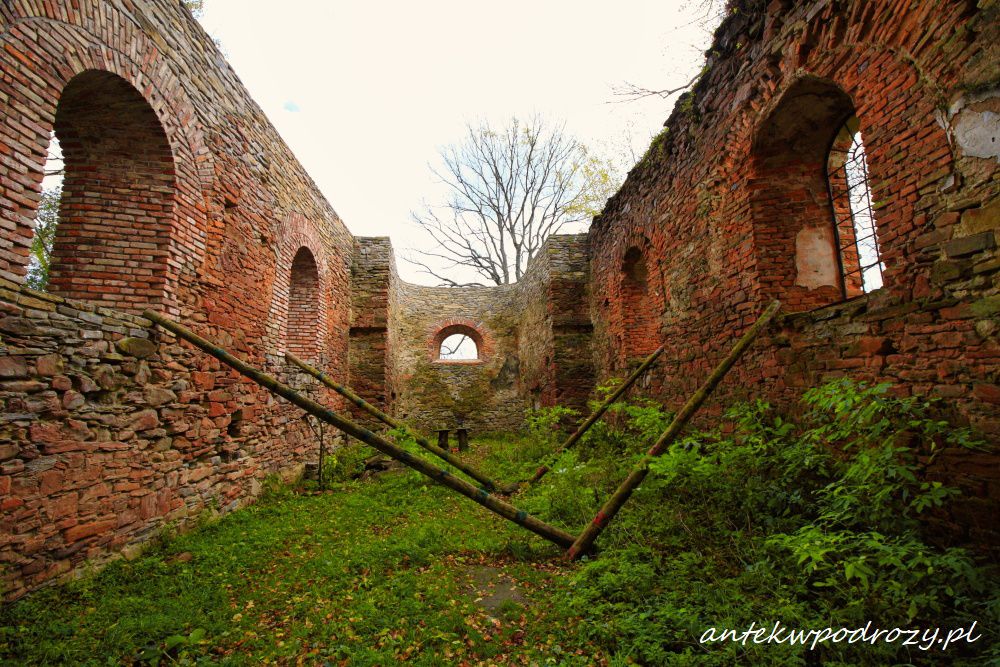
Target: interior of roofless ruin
814, 229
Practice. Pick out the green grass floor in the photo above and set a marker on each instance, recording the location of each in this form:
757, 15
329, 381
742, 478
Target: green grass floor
393, 569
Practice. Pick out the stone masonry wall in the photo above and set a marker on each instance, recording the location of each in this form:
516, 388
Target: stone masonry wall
729, 209
479, 395
555, 348
111, 430
534, 340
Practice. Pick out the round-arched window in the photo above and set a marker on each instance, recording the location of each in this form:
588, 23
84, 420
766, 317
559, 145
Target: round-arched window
457, 343
458, 347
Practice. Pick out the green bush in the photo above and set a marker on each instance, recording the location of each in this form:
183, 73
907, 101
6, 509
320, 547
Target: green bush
815, 522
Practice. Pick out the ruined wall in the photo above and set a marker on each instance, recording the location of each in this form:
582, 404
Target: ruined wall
480, 395
729, 205
373, 278
179, 194
533, 338
555, 350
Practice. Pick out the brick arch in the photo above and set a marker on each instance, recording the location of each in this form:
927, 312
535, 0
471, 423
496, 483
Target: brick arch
304, 335
115, 217
895, 103
637, 307
795, 239
99, 39
480, 335
298, 234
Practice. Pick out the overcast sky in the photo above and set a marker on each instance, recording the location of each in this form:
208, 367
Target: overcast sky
365, 93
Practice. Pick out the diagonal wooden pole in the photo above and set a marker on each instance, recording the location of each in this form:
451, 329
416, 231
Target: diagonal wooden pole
592, 419
346, 392
585, 541
439, 475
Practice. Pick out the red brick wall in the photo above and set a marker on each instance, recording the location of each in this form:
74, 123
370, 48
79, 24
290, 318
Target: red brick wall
724, 193
180, 196
305, 334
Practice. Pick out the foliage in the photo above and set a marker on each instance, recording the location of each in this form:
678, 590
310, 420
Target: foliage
196, 7
344, 463
378, 572
814, 521
41, 243
509, 189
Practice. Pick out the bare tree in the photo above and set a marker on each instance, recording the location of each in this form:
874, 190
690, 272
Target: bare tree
509, 190
706, 15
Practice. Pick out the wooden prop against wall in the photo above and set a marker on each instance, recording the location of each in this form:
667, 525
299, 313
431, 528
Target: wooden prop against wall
440, 452
439, 475
592, 419
586, 539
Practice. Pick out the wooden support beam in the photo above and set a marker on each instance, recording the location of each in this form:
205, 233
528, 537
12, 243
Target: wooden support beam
585, 541
592, 419
441, 451
439, 475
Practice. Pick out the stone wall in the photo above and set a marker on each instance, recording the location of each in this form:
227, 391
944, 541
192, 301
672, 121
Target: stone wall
555, 348
729, 209
373, 276
532, 338
110, 431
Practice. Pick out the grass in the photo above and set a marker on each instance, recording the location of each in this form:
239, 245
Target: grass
371, 572
814, 522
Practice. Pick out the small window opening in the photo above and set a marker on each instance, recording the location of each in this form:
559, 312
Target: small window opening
458, 347
47, 218
854, 217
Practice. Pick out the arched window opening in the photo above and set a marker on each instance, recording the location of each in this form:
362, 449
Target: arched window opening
117, 198
458, 347
303, 306
853, 215
457, 343
814, 230
640, 330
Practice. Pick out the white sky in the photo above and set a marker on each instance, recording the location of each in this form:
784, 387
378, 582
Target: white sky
365, 93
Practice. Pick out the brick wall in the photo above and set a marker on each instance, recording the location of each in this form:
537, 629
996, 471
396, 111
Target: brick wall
179, 195
110, 431
732, 207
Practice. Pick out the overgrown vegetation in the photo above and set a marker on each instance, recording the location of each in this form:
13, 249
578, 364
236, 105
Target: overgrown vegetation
812, 522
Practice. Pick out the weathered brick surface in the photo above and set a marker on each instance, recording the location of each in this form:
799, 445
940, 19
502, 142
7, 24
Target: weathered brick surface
101, 448
180, 195
722, 201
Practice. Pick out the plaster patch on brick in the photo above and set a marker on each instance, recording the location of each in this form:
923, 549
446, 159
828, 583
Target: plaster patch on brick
815, 262
978, 133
